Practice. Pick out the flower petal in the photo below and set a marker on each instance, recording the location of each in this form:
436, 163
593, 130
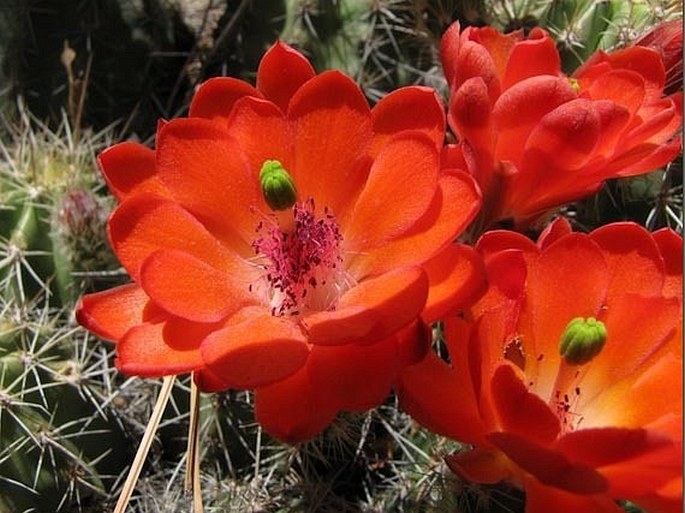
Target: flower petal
282, 71
394, 299
215, 97
189, 288
162, 349
534, 56
331, 124
480, 465
541, 498
111, 313
256, 352
284, 413
207, 173
454, 206
389, 115
129, 168
406, 160
671, 249
134, 232
456, 279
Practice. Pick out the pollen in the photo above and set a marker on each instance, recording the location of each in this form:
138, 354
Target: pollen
302, 264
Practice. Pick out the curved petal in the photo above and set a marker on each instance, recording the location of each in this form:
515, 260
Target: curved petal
291, 411
163, 348
628, 247
671, 249
389, 115
392, 299
256, 352
624, 87
534, 56
384, 210
454, 206
549, 466
456, 278
206, 171
520, 109
541, 498
145, 223
331, 126
554, 231
129, 168
189, 288
215, 97
449, 52
281, 72
111, 313
480, 465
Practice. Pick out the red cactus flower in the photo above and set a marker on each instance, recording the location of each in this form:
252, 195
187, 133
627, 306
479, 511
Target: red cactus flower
535, 139
568, 378
667, 38
286, 238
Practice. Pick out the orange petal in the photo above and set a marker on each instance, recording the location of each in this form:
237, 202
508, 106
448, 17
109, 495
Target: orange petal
282, 71
261, 131
206, 171
354, 377
474, 60
628, 247
549, 466
389, 115
215, 97
189, 288
624, 87
522, 412
331, 125
454, 206
553, 232
256, 352
541, 498
291, 411
394, 299
145, 223
456, 279
384, 211
449, 52
534, 56
162, 349
111, 313
480, 465
671, 249
129, 168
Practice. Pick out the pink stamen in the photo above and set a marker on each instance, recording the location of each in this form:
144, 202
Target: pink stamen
300, 261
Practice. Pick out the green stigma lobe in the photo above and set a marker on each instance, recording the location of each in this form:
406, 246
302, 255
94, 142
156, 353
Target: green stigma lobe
277, 185
582, 340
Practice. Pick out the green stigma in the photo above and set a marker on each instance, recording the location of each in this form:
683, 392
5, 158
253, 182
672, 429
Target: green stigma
277, 185
582, 340
574, 84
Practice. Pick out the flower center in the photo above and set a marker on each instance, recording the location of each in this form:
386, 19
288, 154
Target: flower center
302, 263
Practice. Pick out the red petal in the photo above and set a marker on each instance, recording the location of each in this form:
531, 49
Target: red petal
215, 97
161, 349
111, 313
449, 52
623, 87
553, 232
628, 247
389, 116
519, 111
671, 249
454, 206
406, 160
207, 173
535, 56
145, 223
282, 71
544, 499
129, 168
331, 125
480, 465
257, 352
522, 412
456, 278
290, 409
550, 467
187, 287
394, 300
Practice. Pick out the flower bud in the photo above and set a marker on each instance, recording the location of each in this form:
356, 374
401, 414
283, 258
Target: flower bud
582, 340
277, 185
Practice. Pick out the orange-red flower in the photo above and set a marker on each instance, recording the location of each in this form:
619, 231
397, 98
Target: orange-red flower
576, 433
315, 306
535, 139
